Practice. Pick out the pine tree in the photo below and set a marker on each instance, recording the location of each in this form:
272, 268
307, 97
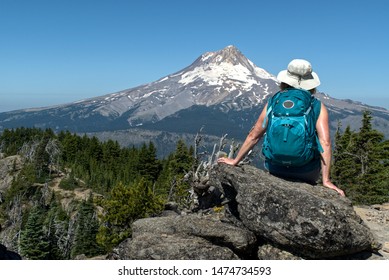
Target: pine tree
182, 161
33, 242
149, 166
86, 229
367, 152
56, 228
344, 171
172, 180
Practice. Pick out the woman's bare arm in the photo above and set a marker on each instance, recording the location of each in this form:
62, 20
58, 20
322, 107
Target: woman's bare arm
251, 140
323, 133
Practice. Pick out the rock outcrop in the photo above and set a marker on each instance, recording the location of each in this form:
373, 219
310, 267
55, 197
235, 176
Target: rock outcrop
265, 217
187, 237
9, 168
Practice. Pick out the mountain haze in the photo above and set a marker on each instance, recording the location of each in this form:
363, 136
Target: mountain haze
222, 91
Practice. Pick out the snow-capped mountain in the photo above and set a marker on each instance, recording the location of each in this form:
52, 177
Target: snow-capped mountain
223, 91
225, 77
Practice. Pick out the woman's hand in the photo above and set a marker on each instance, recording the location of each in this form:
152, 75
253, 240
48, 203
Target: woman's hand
225, 160
330, 185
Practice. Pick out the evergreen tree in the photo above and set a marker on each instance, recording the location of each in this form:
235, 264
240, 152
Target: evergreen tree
33, 242
182, 161
368, 155
344, 172
149, 166
172, 180
129, 162
55, 226
86, 229
70, 143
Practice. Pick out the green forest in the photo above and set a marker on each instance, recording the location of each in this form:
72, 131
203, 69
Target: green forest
126, 184
129, 183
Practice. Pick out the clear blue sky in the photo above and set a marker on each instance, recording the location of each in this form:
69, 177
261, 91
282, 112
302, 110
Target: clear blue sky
59, 51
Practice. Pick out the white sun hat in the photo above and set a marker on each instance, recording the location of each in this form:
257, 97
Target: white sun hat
299, 75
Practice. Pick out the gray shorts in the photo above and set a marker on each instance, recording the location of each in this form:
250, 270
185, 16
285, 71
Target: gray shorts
310, 177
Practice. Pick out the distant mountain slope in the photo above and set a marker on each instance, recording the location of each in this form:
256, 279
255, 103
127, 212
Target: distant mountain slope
223, 91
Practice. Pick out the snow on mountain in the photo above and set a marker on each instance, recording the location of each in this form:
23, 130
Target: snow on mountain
226, 68
230, 72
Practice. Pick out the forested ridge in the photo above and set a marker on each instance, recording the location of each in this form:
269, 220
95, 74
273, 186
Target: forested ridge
125, 183
129, 183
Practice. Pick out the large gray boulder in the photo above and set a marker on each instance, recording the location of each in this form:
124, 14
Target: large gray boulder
187, 237
308, 221
149, 246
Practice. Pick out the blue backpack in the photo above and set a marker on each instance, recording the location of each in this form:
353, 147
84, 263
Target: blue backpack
291, 138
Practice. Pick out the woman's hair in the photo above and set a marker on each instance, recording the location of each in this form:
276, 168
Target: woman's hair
284, 86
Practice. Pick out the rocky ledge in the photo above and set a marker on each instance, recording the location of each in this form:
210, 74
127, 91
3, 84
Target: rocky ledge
262, 217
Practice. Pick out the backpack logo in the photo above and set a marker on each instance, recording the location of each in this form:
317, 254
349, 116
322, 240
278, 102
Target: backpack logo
290, 138
288, 104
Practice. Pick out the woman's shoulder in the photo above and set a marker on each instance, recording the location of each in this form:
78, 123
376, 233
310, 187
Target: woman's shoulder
317, 105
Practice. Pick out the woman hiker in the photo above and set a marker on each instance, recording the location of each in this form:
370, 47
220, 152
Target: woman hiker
298, 77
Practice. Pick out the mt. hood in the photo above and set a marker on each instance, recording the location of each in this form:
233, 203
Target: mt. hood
225, 77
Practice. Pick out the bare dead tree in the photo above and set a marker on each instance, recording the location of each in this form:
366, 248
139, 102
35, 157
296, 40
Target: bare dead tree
15, 217
198, 143
15, 210
233, 149
29, 150
173, 184
199, 175
65, 234
53, 149
199, 178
